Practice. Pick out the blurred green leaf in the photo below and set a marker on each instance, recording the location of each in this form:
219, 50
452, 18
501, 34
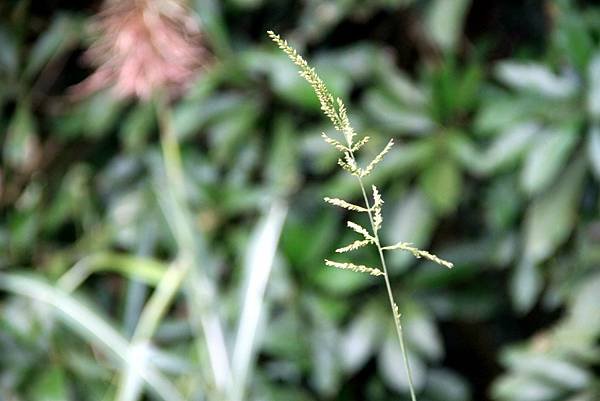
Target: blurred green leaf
72, 199
93, 117
526, 285
258, 265
190, 116
465, 151
277, 342
289, 85
392, 369
227, 133
361, 337
509, 146
547, 157
441, 182
62, 33
306, 241
137, 126
468, 87
498, 112
560, 372
49, 386
524, 389
394, 116
411, 220
536, 78
357, 61
21, 146
283, 169
444, 22
210, 13
572, 37
443, 385
551, 217
88, 324
398, 84
325, 375
340, 282
584, 305
9, 56
145, 269
503, 203
421, 332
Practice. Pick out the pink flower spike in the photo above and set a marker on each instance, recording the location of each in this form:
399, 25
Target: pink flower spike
144, 46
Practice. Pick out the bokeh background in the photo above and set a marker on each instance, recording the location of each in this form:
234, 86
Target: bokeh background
204, 214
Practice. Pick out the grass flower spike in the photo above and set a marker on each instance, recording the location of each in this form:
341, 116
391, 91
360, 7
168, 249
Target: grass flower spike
335, 110
143, 46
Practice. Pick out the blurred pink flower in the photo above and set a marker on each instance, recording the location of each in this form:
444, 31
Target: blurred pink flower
144, 46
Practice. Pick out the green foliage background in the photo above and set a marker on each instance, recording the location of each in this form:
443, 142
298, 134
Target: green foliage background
495, 107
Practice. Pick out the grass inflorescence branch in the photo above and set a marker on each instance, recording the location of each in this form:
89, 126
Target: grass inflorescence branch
335, 110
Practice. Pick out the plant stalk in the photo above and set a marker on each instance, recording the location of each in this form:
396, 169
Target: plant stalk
201, 296
397, 323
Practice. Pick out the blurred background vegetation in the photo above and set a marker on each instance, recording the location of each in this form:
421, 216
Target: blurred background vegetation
495, 106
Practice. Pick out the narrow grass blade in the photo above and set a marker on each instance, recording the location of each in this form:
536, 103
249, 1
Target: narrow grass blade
147, 270
258, 266
90, 326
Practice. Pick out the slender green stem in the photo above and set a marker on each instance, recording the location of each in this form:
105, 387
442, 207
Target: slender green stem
170, 149
200, 293
162, 297
397, 322
171, 281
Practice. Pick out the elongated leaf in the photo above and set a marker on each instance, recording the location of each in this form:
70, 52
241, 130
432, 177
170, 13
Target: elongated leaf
147, 270
361, 337
392, 367
395, 116
524, 388
509, 146
575, 39
526, 285
536, 78
421, 332
89, 325
445, 385
445, 21
550, 218
21, 141
412, 220
442, 183
398, 84
547, 156
553, 369
257, 269
9, 53
61, 34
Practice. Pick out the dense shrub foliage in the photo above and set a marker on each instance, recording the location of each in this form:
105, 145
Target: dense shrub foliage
143, 240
